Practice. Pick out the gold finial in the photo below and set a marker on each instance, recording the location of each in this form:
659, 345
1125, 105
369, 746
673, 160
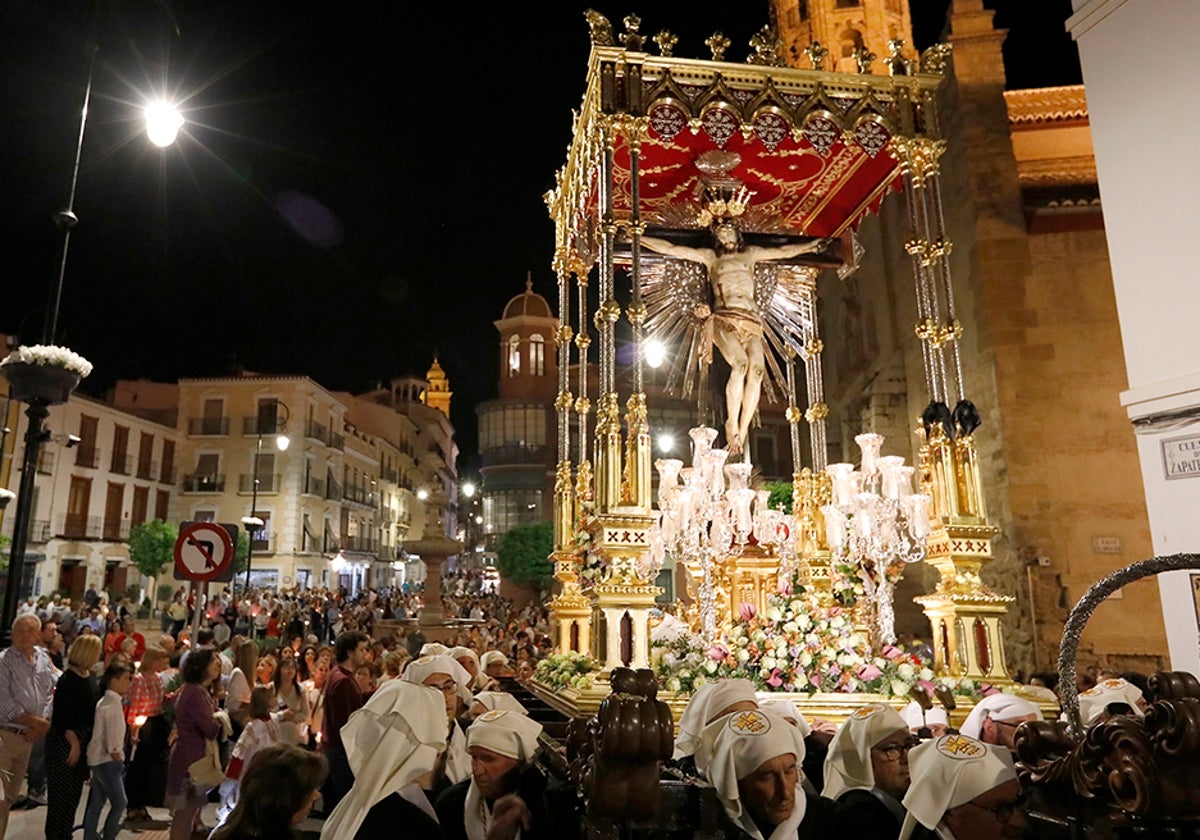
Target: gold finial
896, 62
936, 58
863, 57
718, 43
816, 55
766, 44
599, 28
666, 42
630, 37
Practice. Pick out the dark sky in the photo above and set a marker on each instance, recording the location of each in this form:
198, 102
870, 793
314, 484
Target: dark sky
353, 192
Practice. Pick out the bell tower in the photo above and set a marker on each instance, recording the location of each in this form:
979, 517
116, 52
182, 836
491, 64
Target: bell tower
849, 30
438, 394
528, 364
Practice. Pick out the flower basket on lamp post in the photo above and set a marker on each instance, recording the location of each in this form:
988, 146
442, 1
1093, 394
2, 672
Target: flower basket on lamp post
44, 374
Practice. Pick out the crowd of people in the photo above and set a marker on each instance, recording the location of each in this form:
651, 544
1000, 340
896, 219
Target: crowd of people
282, 703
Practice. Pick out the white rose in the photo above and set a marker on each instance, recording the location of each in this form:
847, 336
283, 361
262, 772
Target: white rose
966, 684
699, 681
791, 627
743, 655
805, 659
759, 636
837, 621
899, 689
684, 674
673, 684
764, 672
906, 671
743, 641
927, 674
710, 666
669, 659
803, 621
768, 663
773, 614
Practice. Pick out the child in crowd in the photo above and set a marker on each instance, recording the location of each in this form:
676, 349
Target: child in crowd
260, 731
106, 754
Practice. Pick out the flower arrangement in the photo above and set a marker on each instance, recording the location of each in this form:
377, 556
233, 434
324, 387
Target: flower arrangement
566, 670
798, 646
49, 355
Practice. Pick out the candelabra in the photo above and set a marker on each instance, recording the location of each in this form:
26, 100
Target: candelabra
708, 514
875, 525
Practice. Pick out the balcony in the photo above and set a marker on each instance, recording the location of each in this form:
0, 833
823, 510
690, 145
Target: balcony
360, 543
269, 426
147, 469
204, 484
387, 474
387, 516
208, 426
45, 465
266, 483
359, 496
316, 431
75, 526
337, 441
39, 531
333, 490
313, 486
87, 456
121, 464
115, 530
514, 453
264, 544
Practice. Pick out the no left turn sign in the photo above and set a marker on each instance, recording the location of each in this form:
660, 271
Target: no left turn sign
204, 551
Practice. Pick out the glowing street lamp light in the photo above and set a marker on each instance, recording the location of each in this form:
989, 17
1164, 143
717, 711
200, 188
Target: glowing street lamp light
163, 122
468, 489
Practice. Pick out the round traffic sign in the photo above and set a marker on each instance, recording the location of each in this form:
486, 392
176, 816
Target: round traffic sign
203, 551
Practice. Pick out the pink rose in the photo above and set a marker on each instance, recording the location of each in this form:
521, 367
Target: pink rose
785, 586
891, 652
987, 689
929, 687
775, 680
746, 611
717, 653
869, 672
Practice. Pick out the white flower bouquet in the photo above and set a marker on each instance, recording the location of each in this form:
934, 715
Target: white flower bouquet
49, 355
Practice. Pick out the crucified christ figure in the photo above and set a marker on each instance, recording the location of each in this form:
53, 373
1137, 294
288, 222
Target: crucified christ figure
737, 328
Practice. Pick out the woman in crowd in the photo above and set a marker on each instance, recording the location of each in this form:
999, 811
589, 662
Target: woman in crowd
67, 740
241, 679
264, 671
196, 723
149, 731
290, 697
314, 693
306, 660
278, 789
106, 755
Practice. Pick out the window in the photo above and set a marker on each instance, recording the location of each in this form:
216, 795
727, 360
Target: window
120, 450
208, 465
145, 466
168, 463
162, 504
141, 504
79, 498
514, 355
204, 516
268, 416
86, 454
537, 355
114, 500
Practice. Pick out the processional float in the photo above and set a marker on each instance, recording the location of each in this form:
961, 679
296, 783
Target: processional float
694, 178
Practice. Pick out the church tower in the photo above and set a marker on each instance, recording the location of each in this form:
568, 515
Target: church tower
846, 28
438, 394
528, 362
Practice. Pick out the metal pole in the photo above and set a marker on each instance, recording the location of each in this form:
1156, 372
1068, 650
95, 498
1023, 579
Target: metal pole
36, 413
253, 509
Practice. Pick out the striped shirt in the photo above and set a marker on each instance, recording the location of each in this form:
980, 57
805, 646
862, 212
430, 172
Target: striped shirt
26, 687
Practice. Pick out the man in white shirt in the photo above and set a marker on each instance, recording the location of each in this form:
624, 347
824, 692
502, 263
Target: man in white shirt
27, 679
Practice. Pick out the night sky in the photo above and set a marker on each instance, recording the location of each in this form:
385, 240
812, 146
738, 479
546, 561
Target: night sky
352, 193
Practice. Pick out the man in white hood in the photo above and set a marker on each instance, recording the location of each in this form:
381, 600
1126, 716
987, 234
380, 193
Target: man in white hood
396, 746
499, 801
962, 789
995, 718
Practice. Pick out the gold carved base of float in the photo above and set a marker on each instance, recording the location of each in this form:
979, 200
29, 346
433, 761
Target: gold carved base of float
966, 617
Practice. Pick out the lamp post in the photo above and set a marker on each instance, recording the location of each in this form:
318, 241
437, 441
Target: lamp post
65, 220
253, 523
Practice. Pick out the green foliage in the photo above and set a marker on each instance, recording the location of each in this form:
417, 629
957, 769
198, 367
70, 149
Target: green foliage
523, 556
165, 591
781, 495
241, 552
152, 546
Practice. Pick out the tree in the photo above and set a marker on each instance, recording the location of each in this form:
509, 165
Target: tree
781, 495
240, 552
152, 546
523, 556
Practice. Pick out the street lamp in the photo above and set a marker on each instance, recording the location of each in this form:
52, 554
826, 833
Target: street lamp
253, 523
65, 220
